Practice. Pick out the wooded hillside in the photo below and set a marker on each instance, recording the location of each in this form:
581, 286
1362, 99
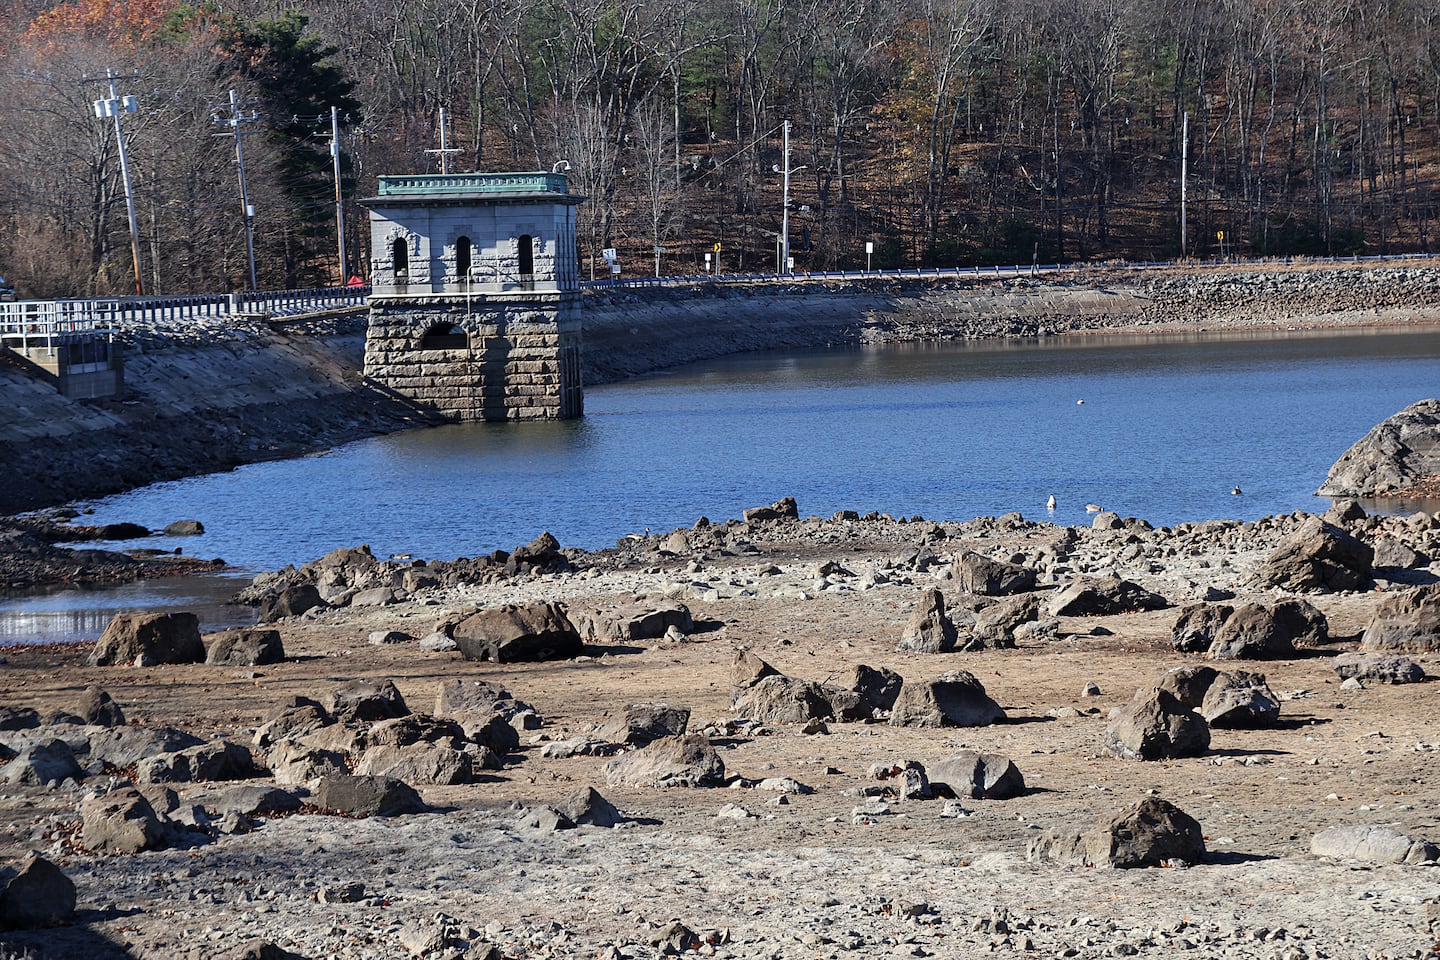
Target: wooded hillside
943, 131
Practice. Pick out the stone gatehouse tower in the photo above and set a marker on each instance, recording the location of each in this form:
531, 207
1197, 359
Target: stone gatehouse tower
475, 309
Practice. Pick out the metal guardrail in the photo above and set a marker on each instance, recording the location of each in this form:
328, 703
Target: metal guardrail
1015, 270
37, 319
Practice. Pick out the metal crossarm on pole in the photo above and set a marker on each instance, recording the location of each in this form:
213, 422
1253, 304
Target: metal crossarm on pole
116, 106
233, 120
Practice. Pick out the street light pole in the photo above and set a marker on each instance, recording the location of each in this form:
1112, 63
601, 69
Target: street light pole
1184, 165
233, 121
785, 211
339, 196
114, 107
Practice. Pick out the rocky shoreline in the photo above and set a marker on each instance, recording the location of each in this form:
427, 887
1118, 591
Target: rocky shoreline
778, 736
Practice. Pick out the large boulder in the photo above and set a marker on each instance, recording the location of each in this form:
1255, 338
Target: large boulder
244, 647
292, 601
1156, 726
688, 761
644, 619
1378, 667
747, 669
1318, 557
1406, 622
1151, 833
783, 509
929, 629
878, 688
972, 775
1377, 844
781, 699
366, 700
41, 764
422, 762
121, 821
97, 708
645, 722
954, 699
216, 760
976, 573
1255, 631
585, 807
1196, 626
367, 796
1396, 454
995, 625
37, 895
1188, 684
1103, 596
1240, 699
145, 639
514, 633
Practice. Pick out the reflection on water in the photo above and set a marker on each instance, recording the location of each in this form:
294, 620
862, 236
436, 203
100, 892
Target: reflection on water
1168, 427
70, 615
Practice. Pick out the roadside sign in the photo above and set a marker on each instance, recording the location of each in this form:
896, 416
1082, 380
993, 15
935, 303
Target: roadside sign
608, 253
717, 248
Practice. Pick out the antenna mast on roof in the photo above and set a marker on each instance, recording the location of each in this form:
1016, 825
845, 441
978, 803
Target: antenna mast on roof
445, 150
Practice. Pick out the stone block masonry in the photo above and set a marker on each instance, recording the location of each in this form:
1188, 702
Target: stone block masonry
494, 357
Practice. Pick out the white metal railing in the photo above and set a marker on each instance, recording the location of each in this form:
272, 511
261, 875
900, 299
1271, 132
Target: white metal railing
50, 319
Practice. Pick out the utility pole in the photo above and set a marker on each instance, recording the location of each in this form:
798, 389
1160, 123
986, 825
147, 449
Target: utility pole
1184, 164
114, 106
339, 196
445, 149
785, 210
233, 121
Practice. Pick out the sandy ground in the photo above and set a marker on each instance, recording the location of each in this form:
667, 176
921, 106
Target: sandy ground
784, 879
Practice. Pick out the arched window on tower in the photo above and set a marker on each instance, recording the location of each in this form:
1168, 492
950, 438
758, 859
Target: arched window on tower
400, 254
525, 250
462, 259
444, 336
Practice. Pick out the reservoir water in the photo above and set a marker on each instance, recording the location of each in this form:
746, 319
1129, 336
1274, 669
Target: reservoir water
1168, 427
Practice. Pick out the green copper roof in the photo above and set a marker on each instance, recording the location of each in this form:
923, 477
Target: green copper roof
471, 184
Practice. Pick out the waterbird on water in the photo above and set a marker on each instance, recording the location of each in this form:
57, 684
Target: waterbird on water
1079, 403
1050, 504
1093, 508
1235, 492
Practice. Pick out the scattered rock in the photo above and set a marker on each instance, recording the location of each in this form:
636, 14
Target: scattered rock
996, 625
780, 699
46, 763
1318, 557
1240, 699
1151, 833
586, 807
646, 619
184, 528
1156, 726
367, 796
975, 573
514, 633
147, 639
121, 821
929, 629
688, 761
1407, 622
1379, 667
244, 647
1105, 596
783, 509
1196, 626
644, 722
95, 707
954, 699
366, 700
216, 760
1379, 844
877, 688
972, 775
1188, 684
289, 602
1257, 632
38, 895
